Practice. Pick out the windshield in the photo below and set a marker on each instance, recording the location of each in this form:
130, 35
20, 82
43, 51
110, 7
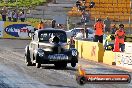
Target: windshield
46, 36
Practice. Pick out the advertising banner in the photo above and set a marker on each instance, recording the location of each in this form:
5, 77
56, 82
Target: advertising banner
1, 28
16, 30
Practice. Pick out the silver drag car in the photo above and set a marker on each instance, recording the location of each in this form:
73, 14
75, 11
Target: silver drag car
49, 46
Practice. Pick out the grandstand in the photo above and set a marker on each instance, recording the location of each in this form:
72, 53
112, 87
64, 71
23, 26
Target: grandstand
74, 12
116, 10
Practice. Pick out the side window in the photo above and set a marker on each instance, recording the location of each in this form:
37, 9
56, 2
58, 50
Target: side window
45, 36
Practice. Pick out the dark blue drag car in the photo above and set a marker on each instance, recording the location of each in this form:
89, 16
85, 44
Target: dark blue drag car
49, 46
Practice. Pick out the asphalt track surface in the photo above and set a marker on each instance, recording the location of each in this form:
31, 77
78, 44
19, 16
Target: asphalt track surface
15, 74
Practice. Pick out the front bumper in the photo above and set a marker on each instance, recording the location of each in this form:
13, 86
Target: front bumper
53, 58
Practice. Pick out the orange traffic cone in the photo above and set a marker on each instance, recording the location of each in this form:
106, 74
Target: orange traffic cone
116, 45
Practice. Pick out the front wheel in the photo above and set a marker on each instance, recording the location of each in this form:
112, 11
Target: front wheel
73, 64
28, 60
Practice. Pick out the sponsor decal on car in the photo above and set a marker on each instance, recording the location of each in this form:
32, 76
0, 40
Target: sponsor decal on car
58, 57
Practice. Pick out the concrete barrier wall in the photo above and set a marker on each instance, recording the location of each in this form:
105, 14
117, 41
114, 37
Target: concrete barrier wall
118, 58
123, 59
100, 52
76, 44
90, 50
95, 51
80, 47
128, 47
109, 57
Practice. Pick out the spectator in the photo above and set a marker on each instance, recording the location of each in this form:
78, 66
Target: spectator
83, 17
86, 16
113, 29
107, 23
78, 4
4, 13
92, 4
99, 28
86, 31
84, 0
104, 39
81, 34
121, 36
54, 1
82, 6
9, 14
108, 41
22, 16
41, 25
60, 26
72, 42
15, 16
53, 23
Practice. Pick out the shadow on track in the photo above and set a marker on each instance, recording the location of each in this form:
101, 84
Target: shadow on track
109, 70
61, 86
57, 68
19, 48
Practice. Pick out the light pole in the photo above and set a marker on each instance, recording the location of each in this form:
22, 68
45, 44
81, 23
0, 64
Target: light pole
54, 1
67, 23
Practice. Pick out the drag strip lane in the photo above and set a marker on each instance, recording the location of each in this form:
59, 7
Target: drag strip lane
9, 78
41, 74
12, 56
